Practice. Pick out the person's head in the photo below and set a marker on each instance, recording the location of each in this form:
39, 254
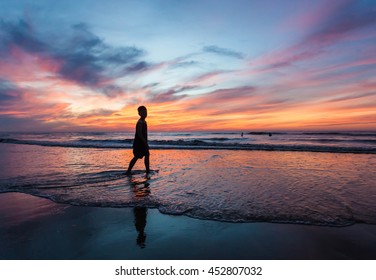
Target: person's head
142, 111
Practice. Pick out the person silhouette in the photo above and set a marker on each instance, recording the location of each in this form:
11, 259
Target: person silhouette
140, 142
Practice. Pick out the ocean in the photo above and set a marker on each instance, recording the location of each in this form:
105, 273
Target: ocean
318, 178
352, 142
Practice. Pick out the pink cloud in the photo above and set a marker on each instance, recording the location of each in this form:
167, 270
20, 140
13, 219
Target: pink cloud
328, 24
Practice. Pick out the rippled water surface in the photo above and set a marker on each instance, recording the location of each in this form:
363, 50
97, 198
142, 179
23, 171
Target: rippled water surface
338, 142
227, 185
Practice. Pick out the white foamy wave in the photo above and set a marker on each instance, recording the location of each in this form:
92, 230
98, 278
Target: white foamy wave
194, 193
209, 144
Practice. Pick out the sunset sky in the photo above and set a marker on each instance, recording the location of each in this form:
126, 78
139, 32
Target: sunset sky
195, 64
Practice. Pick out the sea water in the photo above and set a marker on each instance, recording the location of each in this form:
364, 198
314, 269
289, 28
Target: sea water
295, 177
353, 142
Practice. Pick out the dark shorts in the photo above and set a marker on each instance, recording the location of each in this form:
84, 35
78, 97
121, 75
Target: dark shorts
140, 151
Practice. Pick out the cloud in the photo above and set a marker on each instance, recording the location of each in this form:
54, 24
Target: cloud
231, 93
20, 34
223, 52
152, 85
13, 123
167, 96
288, 58
34, 117
112, 90
347, 17
184, 64
329, 25
96, 113
80, 56
9, 94
215, 100
208, 77
93, 63
21, 109
172, 94
353, 97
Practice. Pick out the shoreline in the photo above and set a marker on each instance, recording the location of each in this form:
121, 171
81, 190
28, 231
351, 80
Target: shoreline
37, 228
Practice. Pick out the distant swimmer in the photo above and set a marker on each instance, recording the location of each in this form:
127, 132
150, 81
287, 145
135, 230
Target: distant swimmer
140, 142
242, 134
270, 134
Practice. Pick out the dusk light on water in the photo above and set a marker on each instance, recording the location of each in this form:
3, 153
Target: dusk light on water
188, 130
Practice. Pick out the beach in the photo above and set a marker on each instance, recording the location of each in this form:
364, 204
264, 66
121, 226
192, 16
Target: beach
259, 116
67, 202
36, 228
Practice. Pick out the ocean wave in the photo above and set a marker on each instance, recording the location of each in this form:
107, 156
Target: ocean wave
318, 133
141, 198
265, 133
353, 134
81, 143
333, 140
86, 141
194, 144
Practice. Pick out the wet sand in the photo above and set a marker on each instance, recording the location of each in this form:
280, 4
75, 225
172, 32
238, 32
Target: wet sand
37, 228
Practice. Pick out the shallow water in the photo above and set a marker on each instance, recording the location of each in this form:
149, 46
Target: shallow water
236, 186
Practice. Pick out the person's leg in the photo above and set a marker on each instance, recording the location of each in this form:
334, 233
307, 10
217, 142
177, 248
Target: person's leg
147, 163
131, 164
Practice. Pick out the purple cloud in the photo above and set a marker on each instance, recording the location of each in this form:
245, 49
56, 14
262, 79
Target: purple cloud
21, 34
9, 94
347, 17
83, 57
336, 21
231, 93
171, 95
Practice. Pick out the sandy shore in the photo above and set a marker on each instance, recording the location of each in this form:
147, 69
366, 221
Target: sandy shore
36, 228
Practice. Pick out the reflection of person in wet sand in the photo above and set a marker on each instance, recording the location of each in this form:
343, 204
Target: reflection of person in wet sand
140, 143
140, 188
140, 214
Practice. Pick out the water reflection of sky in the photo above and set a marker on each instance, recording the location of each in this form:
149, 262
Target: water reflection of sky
224, 185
